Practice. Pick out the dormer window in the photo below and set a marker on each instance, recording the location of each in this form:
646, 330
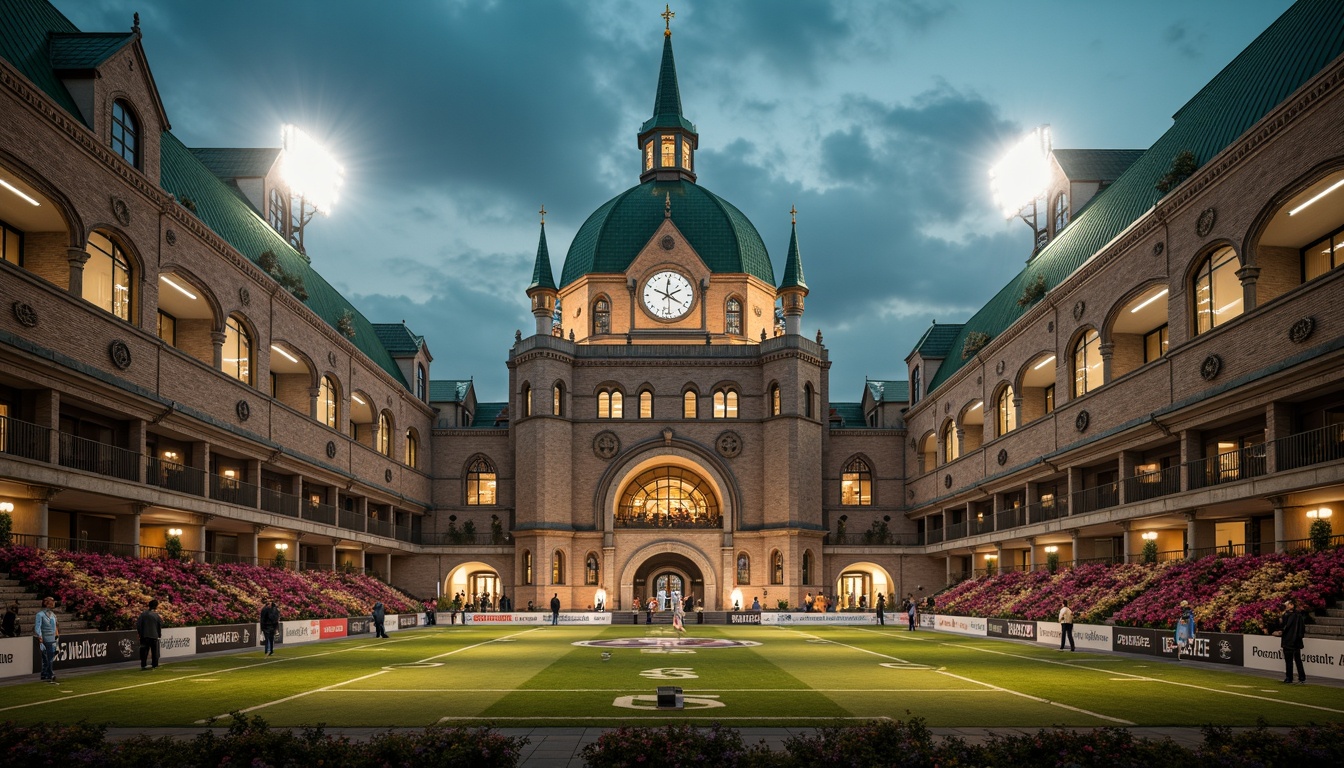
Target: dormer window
125, 133
648, 156
276, 214
1061, 212
669, 151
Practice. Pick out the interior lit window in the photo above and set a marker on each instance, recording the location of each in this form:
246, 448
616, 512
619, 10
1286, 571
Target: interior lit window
690, 406
557, 400
686, 153
526, 400
236, 358
951, 449
328, 411
743, 568
856, 484
1050, 399
776, 567
590, 571
646, 404
11, 244
1218, 293
480, 483
385, 434
412, 449
107, 277
648, 156
527, 566
125, 133
1322, 256
1007, 411
669, 152
601, 317
774, 400
1155, 344
733, 320
558, 567
725, 404
167, 328
610, 404
1087, 363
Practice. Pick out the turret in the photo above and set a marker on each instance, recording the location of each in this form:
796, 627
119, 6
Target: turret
793, 289
667, 141
542, 290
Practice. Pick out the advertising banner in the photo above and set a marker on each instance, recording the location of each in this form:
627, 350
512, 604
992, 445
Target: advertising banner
1011, 628
751, 617
408, 620
1135, 640
16, 656
178, 641
225, 637
962, 625
90, 650
392, 623
361, 625
924, 620
1320, 658
331, 628
535, 618
302, 631
1215, 647
773, 618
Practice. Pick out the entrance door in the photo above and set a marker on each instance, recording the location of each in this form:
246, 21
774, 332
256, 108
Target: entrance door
484, 589
853, 585
664, 584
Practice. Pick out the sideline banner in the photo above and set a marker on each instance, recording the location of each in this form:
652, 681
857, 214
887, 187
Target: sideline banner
1093, 637
962, 625
302, 631
775, 618
16, 656
1011, 628
1135, 640
535, 618
408, 620
744, 617
1320, 658
361, 625
225, 637
392, 623
177, 641
90, 649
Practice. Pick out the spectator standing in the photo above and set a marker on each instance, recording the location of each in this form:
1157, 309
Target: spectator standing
11, 624
1066, 626
555, 609
881, 609
1292, 632
807, 603
380, 617
150, 629
1185, 629
47, 633
270, 624
911, 611
755, 603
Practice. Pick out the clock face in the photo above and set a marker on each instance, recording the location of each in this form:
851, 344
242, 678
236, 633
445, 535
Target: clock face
668, 295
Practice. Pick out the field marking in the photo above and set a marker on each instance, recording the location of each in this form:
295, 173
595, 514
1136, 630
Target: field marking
1152, 679
999, 688
659, 718
327, 688
686, 690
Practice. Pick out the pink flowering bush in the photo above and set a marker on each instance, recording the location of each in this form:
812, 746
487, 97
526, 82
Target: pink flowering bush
111, 591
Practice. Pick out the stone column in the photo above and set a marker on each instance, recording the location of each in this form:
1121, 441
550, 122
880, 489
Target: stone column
1248, 276
387, 568
253, 476
1190, 534
1074, 546
247, 544
1280, 545
1190, 451
1128, 460
1107, 354
1278, 424
1125, 536
1031, 553
217, 341
138, 430
362, 508
76, 258
1075, 477
1017, 409
312, 408
47, 413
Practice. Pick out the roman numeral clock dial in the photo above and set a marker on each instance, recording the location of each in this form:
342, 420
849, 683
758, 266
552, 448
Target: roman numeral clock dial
668, 295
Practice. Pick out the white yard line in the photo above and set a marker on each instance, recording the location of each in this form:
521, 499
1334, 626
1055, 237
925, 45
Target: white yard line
661, 718
646, 690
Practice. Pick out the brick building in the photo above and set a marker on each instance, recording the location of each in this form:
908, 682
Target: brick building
1167, 366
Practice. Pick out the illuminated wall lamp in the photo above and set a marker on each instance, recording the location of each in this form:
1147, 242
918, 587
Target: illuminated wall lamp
1051, 550
1150, 536
1323, 513
282, 546
174, 531
6, 506
991, 558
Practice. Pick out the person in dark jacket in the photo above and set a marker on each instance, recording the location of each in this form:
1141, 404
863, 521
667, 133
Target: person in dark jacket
1292, 631
270, 624
11, 625
881, 609
380, 616
555, 609
150, 628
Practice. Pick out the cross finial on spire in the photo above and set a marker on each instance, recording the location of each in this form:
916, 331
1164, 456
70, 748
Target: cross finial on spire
793, 213
135, 24
668, 16
667, 206
543, 214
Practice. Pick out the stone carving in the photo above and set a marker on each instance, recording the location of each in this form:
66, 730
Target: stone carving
999, 368
1159, 248
1002, 458
170, 237
121, 211
606, 445
1211, 367
331, 449
244, 296
1298, 333
667, 243
1082, 421
25, 314
387, 475
1206, 221
1079, 309
243, 409
1050, 326
120, 354
729, 445
947, 481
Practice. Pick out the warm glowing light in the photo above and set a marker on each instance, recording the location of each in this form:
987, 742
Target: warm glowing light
735, 600
1150, 300
1319, 514
170, 455
991, 557
1023, 174
1150, 536
6, 506
174, 531
1293, 212
1043, 363
282, 546
311, 172
358, 399
183, 291
600, 597
229, 473
1051, 550
285, 354
978, 406
20, 193
1227, 307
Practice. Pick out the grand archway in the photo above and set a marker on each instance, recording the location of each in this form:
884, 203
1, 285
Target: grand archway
662, 573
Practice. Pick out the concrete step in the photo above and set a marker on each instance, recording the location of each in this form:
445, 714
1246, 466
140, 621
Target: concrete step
1319, 630
1337, 613
1329, 621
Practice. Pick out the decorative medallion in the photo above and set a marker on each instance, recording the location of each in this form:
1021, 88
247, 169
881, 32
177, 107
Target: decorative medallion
243, 409
999, 368
729, 445
1210, 368
331, 359
120, 354
947, 481
331, 449
1082, 421
387, 475
1298, 333
1206, 221
1050, 326
170, 237
1079, 309
121, 211
606, 445
389, 401
668, 243
1002, 457
25, 314
757, 310
244, 296
1159, 248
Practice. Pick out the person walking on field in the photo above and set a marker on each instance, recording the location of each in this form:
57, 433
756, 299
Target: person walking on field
555, 609
881, 609
911, 610
1066, 626
379, 617
270, 624
1292, 630
47, 633
150, 628
1185, 630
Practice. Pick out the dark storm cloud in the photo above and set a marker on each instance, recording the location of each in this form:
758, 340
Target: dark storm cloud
1179, 37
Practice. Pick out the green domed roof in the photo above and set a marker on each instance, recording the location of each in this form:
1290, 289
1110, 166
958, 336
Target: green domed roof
615, 233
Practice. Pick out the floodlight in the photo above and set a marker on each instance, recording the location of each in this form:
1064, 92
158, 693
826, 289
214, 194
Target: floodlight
1319, 514
174, 531
1052, 549
311, 171
1023, 174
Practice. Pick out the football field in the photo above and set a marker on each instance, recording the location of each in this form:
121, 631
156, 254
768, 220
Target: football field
739, 676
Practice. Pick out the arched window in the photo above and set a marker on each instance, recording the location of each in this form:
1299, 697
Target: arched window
601, 316
725, 403
856, 484
385, 433
1007, 412
914, 385
236, 357
774, 400
276, 213
669, 158
421, 391
1061, 211
668, 497
1087, 363
690, 405
776, 567
525, 403
645, 404
590, 570
807, 400
412, 449
480, 483
107, 276
610, 404
733, 317
558, 399
125, 133
1218, 293
328, 410
743, 568
558, 567
527, 566
807, 566
951, 450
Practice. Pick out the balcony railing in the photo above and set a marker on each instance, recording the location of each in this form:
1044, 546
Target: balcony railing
1151, 485
1228, 467
99, 458
1011, 518
1307, 448
981, 525
1042, 511
278, 503
669, 521
233, 491
29, 441
175, 477
956, 531
1092, 499
319, 513
380, 527
351, 521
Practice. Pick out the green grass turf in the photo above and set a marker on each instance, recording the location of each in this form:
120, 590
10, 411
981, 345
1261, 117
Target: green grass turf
796, 676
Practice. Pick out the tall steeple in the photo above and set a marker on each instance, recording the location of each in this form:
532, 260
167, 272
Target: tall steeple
542, 290
667, 141
793, 289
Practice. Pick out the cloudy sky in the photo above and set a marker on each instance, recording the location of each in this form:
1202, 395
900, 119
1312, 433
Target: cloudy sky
456, 120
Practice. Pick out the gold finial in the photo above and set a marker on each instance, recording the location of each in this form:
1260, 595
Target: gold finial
543, 215
793, 213
668, 16
667, 206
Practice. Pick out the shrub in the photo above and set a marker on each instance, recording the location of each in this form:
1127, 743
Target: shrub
1032, 292
1320, 533
173, 547
975, 341
6, 527
675, 745
1150, 552
1052, 561
1182, 166
885, 743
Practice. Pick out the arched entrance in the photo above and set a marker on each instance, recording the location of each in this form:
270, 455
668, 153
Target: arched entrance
860, 583
664, 573
479, 584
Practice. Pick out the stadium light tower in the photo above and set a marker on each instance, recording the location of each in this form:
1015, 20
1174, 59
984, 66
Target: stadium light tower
313, 175
1020, 179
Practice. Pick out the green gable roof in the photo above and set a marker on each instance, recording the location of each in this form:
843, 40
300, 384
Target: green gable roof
613, 235
490, 416
847, 416
72, 52
1306, 38
1095, 164
25, 32
889, 391
937, 340
397, 339
238, 163
449, 391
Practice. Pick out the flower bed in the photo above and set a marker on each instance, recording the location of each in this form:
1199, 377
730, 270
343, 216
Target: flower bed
111, 591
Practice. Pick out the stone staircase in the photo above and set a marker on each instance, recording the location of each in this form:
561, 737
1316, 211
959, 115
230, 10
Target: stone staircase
1329, 626
11, 591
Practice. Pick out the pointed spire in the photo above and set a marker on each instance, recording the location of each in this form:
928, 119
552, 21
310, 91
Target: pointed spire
793, 263
667, 100
541, 270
